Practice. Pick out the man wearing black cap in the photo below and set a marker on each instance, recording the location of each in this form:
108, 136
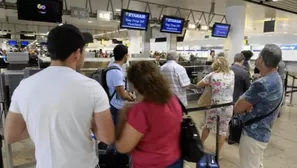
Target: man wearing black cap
64, 108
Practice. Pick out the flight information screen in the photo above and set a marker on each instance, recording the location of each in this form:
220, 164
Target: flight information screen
172, 24
134, 20
220, 30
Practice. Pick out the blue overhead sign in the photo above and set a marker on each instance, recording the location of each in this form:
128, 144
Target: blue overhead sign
134, 20
288, 47
172, 24
220, 30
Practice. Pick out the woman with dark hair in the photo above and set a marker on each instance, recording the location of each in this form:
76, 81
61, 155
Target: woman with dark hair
247, 55
150, 129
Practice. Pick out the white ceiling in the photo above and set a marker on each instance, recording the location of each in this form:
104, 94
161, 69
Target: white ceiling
286, 22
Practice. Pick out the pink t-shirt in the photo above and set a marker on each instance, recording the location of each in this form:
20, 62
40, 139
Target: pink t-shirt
161, 126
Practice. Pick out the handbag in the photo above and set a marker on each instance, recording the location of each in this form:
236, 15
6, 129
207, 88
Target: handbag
205, 98
236, 125
190, 142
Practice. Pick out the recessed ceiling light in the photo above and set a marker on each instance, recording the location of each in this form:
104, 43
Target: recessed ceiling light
118, 10
90, 21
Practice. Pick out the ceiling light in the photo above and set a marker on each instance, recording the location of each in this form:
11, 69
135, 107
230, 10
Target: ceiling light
192, 26
90, 21
118, 10
204, 27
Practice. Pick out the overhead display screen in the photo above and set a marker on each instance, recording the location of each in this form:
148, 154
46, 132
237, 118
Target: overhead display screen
171, 24
40, 10
24, 43
134, 20
12, 42
220, 30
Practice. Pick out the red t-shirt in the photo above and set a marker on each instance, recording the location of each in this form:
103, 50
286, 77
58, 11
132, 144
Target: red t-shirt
161, 126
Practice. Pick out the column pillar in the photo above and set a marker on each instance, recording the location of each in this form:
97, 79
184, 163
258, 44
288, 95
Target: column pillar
146, 42
171, 42
235, 16
134, 40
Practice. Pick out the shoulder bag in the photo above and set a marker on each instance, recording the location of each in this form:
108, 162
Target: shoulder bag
190, 142
236, 125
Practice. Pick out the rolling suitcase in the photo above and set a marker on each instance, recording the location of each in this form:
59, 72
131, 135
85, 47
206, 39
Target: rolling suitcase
210, 160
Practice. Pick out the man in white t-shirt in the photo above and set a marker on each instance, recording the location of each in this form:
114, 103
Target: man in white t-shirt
59, 108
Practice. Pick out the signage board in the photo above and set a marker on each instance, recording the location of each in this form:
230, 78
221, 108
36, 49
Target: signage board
288, 47
220, 30
171, 24
134, 20
104, 15
81, 13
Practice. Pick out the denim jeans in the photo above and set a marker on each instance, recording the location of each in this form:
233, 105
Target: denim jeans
178, 164
115, 114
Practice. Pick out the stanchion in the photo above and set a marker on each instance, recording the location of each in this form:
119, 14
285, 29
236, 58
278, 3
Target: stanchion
292, 93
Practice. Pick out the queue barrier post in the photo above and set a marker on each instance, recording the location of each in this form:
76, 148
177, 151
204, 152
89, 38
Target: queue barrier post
292, 93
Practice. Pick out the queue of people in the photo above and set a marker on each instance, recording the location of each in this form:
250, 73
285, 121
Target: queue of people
60, 118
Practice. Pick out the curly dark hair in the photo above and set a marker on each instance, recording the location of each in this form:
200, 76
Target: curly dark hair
149, 82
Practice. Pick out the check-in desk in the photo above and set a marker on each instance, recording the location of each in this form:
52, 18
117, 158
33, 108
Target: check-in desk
17, 60
92, 64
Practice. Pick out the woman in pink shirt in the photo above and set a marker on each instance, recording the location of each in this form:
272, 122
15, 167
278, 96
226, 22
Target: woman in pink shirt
150, 129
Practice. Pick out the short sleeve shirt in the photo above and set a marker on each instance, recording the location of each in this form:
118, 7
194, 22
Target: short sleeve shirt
178, 79
57, 105
265, 94
115, 78
160, 126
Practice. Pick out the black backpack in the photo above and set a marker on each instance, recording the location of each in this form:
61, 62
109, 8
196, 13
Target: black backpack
100, 76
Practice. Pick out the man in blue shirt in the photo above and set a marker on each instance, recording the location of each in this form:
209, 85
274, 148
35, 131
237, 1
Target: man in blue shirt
264, 95
116, 83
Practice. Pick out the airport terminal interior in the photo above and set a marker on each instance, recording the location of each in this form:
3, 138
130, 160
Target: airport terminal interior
150, 29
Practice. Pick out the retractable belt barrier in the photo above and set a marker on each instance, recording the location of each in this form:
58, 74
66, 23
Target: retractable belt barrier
195, 109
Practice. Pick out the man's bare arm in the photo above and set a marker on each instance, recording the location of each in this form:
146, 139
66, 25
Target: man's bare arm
15, 128
103, 126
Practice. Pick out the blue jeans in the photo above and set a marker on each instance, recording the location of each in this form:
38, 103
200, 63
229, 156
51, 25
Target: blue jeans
178, 164
115, 114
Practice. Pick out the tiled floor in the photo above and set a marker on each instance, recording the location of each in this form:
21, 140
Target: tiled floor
281, 152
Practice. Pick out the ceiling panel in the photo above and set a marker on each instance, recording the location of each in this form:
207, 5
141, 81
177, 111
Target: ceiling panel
285, 5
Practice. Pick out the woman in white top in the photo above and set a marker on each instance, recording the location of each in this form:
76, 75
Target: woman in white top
221, 81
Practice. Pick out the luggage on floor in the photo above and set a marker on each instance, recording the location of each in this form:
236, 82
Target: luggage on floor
210, 160
110, 158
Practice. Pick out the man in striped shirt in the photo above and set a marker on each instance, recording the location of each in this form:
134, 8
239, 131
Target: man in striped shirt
177, 76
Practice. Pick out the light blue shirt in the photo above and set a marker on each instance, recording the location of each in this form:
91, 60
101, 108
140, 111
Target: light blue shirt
115, 78
125, 66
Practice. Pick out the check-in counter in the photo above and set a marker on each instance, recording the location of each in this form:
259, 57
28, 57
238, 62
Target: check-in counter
92, 64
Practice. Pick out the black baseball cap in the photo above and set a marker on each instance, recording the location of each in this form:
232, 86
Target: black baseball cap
64, 40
